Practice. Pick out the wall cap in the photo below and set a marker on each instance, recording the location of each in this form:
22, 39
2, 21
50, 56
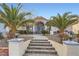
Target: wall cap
16, 40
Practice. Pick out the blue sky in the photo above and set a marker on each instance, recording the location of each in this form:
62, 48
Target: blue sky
47, 10
51, 9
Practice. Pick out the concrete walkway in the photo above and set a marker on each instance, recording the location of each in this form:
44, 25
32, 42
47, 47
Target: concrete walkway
38, 36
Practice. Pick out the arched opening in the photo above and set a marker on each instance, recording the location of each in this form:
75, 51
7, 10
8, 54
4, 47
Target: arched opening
39, 26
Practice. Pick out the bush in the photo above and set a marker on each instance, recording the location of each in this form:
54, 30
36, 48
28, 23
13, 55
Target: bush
25, 32
1, 36
66, 37
22, 31
44, 32
29, 32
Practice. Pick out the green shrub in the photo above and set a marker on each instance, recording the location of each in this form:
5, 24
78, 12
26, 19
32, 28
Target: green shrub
29, 32
1, 36
25, 32
66, 37
44, 32
22, 31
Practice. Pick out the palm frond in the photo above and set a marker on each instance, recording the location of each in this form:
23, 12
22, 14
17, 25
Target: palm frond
12, 16
24, 22
63, 21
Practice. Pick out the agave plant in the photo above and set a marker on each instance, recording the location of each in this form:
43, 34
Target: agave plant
63, 21
13, 17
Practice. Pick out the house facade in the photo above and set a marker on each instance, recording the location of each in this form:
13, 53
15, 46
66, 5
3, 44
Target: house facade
75, 28
39, 25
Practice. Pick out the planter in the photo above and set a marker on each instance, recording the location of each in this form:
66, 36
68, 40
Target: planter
58, 47
68, 48
71, 48
18, 46
68, 42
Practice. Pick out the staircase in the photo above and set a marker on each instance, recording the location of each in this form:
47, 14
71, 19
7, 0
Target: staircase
40, 47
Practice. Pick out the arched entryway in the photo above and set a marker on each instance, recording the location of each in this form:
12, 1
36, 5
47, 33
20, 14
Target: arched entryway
39, 26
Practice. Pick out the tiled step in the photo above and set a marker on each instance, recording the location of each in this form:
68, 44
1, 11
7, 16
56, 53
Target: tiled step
39, 40
41, 54
40, 47
41, 51
40, 44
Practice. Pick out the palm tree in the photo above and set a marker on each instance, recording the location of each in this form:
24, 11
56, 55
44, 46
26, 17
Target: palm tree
49, 24
12, 16
63, 21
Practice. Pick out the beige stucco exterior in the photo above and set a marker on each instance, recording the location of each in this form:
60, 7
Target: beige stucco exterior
17, 47
75, 28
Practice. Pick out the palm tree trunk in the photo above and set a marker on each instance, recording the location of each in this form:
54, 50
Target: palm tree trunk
49, 29
32, 29
61, 35
12, 33
14, 30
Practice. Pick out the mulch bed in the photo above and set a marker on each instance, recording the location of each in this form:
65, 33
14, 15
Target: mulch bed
4, 51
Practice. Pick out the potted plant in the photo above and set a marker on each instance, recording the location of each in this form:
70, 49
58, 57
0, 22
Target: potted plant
44, 32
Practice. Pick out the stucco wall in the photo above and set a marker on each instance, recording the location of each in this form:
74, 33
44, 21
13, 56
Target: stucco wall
58, 47
65, 50
18, 48
75, 28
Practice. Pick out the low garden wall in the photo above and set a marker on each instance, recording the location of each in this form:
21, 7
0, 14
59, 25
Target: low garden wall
59, 47
65, 49
71, 48
18, 47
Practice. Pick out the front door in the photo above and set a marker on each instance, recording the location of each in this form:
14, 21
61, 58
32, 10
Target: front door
39, 27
